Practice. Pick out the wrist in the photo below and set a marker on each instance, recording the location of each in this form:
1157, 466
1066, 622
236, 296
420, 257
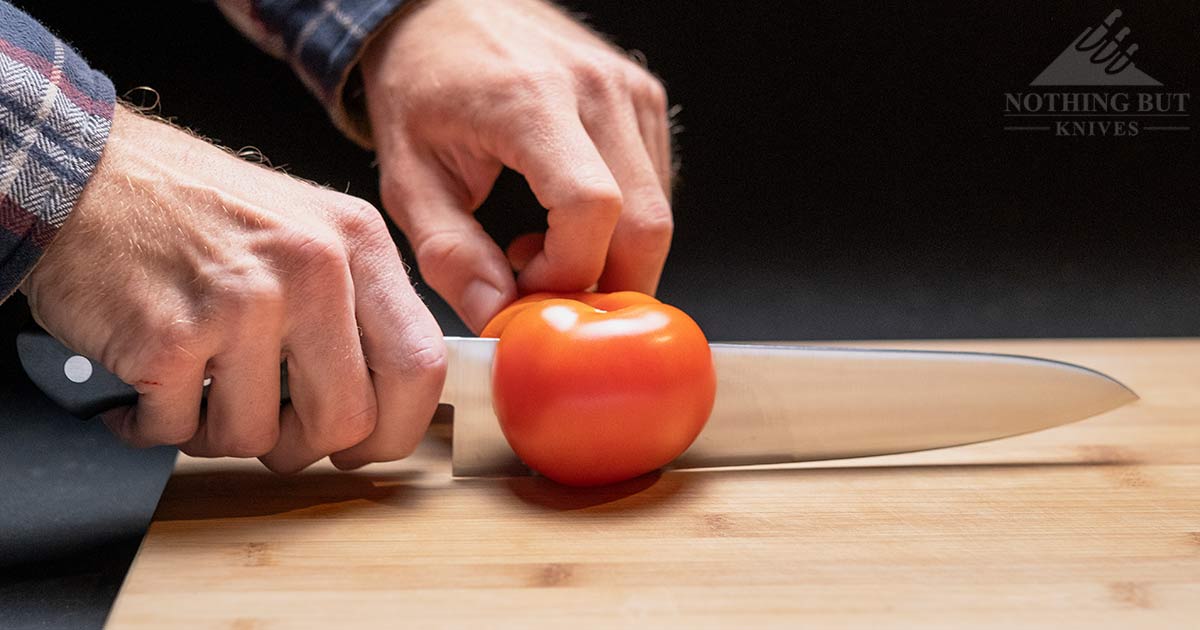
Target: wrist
346, 100
85, 204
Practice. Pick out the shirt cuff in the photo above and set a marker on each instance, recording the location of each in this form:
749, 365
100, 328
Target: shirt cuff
323, 42
55, 116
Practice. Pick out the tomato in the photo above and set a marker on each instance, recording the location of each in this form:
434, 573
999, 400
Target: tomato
595, 388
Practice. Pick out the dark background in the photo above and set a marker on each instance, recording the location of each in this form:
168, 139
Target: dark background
845, 175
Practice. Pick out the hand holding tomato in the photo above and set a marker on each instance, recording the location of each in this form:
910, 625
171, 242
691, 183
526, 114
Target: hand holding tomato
457, 89
599, 388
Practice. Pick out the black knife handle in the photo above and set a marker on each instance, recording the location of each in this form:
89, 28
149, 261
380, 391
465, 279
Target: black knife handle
76, 383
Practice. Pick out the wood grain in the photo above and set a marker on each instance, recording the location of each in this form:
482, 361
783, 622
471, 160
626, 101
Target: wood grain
1094, 524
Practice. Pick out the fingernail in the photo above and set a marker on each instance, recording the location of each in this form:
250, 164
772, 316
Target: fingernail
481, 300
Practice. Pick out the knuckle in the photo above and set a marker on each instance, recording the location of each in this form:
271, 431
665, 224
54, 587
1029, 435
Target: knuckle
138, 430
345, 430
534, 81
192, 449
243, 293
524, 90
359, 220
142, 433
242, 449
246, 442
316, 254
653, 230
413, 426
224, 444
599, 77
399, 196
653, 92
407, 443
177, 336
428, 357
600, 195
283, 466
170, 436
440, 253
171, 346
425, 359
118, 422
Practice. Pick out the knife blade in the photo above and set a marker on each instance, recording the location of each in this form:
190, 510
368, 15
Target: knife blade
774, 404
779, 404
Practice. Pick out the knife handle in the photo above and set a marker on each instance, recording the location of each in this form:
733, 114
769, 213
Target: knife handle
76, 383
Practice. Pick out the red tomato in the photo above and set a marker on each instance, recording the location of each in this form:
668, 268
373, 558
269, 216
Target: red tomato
603, 391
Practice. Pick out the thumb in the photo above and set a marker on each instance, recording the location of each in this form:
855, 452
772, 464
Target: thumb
454, 254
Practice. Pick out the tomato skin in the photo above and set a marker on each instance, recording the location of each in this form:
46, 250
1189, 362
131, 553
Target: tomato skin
588, 396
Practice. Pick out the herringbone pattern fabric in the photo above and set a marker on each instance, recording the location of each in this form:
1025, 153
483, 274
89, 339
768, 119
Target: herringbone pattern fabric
55, 115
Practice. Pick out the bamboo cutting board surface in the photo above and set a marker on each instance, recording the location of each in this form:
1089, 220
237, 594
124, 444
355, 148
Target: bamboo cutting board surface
1093, 524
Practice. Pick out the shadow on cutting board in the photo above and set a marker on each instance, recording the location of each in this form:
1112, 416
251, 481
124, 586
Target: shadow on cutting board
245, 494
652, 490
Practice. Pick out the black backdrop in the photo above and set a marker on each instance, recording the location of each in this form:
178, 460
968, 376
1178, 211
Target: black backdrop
845, 175
845, 171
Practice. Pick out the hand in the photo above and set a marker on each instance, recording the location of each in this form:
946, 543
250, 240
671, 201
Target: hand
182, 262
458, 88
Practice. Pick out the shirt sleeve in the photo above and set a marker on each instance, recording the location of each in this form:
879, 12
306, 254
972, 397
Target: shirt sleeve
323, 41
55, 115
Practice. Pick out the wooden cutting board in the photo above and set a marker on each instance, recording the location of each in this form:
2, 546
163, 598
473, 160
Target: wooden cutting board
1095, 524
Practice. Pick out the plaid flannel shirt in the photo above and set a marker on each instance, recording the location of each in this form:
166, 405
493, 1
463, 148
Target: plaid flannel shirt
56, 111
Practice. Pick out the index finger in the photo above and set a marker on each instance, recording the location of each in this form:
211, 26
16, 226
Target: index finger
583, 201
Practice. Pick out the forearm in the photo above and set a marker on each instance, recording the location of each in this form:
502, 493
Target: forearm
322, 42
55, 115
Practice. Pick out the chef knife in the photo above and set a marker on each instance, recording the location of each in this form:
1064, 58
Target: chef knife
774, 404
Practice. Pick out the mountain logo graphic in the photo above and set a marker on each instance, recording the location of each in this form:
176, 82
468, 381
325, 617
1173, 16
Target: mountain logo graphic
1101, 55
